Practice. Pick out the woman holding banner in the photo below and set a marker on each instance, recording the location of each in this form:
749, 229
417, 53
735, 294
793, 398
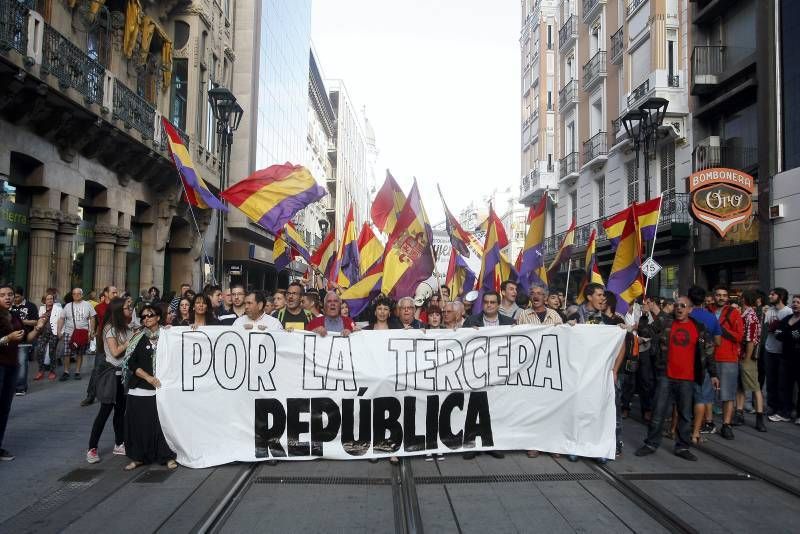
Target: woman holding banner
144, 439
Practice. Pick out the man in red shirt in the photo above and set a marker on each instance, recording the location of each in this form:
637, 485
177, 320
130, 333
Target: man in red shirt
727, 356
687, 352
331, 319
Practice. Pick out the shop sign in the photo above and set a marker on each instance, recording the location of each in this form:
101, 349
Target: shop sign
721, 198
14, 216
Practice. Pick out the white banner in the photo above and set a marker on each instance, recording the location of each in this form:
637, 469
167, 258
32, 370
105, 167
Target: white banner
241, 395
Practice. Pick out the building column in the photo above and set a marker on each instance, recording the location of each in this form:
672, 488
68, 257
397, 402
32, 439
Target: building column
44, 223
105, 236
121, 258
65, 239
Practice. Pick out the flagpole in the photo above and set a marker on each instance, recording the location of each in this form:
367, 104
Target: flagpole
655, 235
197, 227
566, 289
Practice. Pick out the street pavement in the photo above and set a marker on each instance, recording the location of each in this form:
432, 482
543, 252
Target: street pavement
51, 488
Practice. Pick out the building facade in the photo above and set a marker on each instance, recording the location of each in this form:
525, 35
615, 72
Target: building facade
352, 172
610, 57
271, 83
90, 196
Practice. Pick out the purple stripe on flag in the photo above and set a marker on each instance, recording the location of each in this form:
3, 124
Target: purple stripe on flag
359, 305
280, 214
532, 261
620, 281
648, 232
191, 178
350, 262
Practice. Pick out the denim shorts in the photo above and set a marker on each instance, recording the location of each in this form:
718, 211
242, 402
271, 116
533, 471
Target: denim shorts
704, 394
728, 380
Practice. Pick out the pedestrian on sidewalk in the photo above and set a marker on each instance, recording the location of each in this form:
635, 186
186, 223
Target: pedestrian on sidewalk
12, 334
776, 365
748, 364
687, 355
144, 439
48, 338
788, 333
704, 393
109, 388
28, 313
727, 355
75, 327
106, 296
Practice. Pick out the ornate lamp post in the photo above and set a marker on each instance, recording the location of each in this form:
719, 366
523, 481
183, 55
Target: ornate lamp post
641, 125
228, 115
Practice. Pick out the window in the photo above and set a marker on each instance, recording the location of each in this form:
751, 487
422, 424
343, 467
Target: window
211, 131
672, 37
632, 174
549, 100
601, 197
179, 89
202, 103
573, 205
549, 37
667, 168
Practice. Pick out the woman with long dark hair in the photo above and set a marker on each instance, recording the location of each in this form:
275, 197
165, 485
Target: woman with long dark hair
203, 311
183, 316
12, 333
110, 389
381, 317
144, 439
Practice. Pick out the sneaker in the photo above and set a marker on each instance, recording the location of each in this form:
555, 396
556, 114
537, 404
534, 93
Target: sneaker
119, 449
469, 455
778, 418
38, 376
87, 401
644, 450
77, 376
92, 457
6, 456
51, 376
20, 393
686, 454
708, 428
64, 377
726, 432
496, 454
738, 418
428, 457
620, 445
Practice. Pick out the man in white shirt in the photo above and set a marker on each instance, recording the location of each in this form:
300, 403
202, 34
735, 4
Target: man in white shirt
77, 315
255, 316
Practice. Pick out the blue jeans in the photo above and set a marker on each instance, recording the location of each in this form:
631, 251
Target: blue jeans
8, 383
23, 354
667, 391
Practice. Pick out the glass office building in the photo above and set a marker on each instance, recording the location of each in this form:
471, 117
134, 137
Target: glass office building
282, 114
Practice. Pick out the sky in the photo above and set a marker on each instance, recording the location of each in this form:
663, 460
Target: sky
440, 81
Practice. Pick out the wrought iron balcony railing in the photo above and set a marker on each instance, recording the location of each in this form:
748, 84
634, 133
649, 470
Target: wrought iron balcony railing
590, 7
133, 110
594, 69
568, 165
736, 157
72, 67
596, 146
633, 5
568, 31
638, 93
674, 209
568, 94
617, 45
14, 25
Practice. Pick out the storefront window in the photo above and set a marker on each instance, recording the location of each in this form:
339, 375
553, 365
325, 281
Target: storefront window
83, 252
14, 237
133, 261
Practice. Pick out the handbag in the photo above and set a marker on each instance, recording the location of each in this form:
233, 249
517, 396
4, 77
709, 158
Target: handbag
80, 336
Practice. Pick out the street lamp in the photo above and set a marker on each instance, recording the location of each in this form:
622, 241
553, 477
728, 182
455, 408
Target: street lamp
228, 114
323, 226
641, 125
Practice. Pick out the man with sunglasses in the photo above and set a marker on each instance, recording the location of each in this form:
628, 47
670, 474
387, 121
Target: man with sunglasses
687, 354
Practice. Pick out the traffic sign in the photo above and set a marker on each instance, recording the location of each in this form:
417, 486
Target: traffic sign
650, 268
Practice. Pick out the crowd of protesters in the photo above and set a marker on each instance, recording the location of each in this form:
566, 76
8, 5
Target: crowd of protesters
684, 358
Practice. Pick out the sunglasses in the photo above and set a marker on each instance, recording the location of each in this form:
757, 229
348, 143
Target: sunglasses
487, 302
148, 315
681, 305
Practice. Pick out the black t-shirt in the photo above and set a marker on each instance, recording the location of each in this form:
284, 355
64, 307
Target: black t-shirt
789, 335
26, 312
297, 321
